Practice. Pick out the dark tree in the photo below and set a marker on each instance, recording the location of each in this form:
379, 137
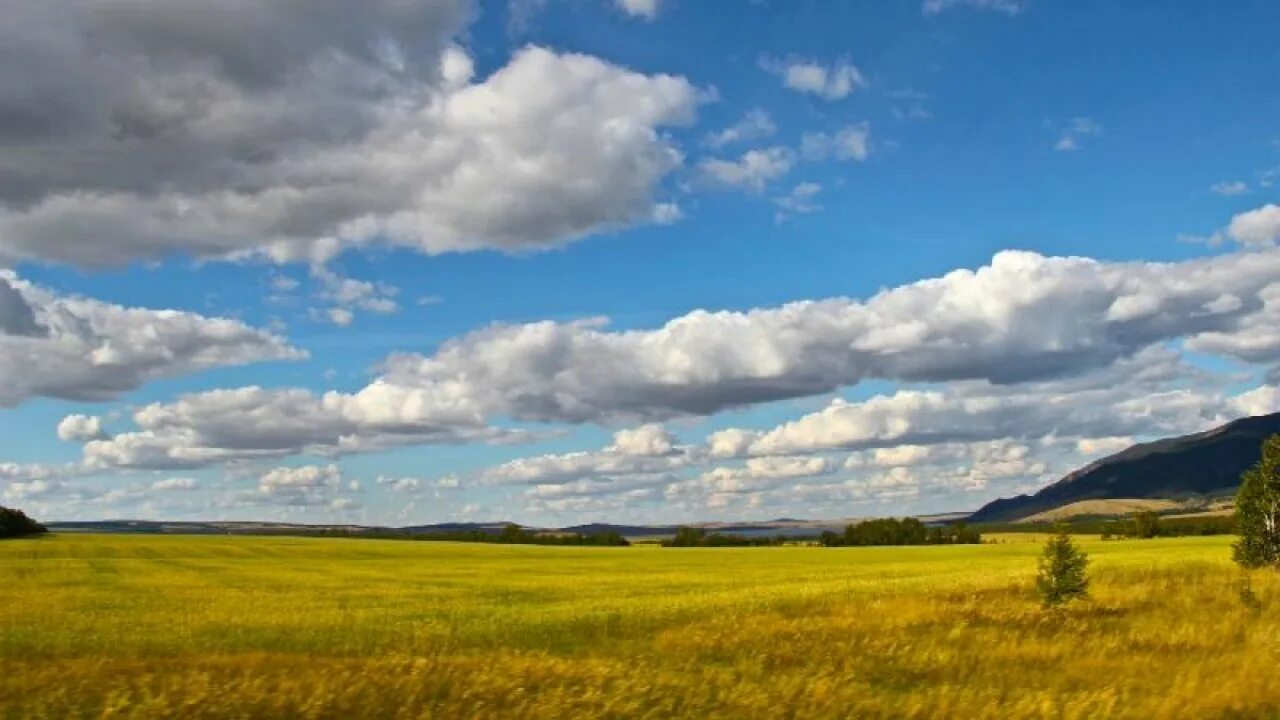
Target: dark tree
1258, 510
962, 534
1062, 575
688, 537
15, 523
512, 533
1146, 524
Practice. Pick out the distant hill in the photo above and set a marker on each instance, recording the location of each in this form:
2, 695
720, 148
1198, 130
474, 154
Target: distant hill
790, 527
231, 527
1204, 464
15, 523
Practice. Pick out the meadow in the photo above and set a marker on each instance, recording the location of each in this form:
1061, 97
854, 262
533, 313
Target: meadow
101, 626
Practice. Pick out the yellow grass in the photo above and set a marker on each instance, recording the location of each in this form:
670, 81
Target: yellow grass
204, 627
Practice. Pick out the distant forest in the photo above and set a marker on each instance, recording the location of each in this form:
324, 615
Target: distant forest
890, 531
1137, 526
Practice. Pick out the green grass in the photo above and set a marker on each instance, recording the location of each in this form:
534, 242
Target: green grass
163, 626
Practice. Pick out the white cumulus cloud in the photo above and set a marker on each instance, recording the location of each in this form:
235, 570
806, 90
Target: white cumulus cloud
298, 129
83, 349
835, 81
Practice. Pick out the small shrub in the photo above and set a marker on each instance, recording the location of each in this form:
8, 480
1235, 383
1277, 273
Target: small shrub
1062, 575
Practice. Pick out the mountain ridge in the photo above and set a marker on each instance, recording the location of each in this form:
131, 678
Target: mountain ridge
1201, 464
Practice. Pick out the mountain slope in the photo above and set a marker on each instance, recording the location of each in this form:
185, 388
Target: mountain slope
1200, 464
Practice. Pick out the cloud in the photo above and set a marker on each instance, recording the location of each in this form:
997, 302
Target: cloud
801, 200
348, 295
91, 350
1233, 187
296, 130
341, 317
635, 468
829, 82
16, 315
1024, 318
752, 172
284, 283
22, 490
407, 485
909, 104
650, 440
900, 455
254, 424
1008, 7
929, 444
175, 484
647, 450
952, 446
1256, 228
908, 445
1255, 338
733, 442
853, 142
1262, 400
308, 485
1268, 177
22, 472
80, 428
1118, 402
776, 484
755, 125
1075, 132
1253, 229
905, 446
757, 474
647, 9
600, 481
1103, 445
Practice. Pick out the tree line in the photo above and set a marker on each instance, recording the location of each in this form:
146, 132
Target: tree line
1147, 524
1112, 528
907, 531
698, 537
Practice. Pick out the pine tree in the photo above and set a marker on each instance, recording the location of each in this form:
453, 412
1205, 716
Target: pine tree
1062, 571
1258, 510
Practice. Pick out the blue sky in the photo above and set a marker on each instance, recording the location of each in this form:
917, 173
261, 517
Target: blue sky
432, 251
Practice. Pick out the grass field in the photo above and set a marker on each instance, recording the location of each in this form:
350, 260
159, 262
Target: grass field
195, 627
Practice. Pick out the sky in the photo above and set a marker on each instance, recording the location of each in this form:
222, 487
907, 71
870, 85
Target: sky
646, 261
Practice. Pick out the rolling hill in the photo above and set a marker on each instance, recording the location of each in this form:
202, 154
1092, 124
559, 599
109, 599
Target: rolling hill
1204, 464
1105, 508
